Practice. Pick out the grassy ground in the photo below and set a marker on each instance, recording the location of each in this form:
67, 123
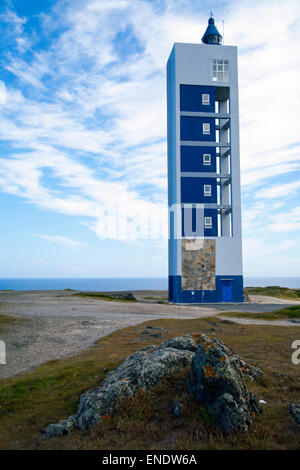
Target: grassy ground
274, 291
287, 313
50, 392
156, 298
6, 320
103, 296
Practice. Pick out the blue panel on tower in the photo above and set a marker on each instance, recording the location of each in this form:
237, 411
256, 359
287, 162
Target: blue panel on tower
191, 98
191, 158
194, 227
193, 128
213, 231
177, 294
192, 190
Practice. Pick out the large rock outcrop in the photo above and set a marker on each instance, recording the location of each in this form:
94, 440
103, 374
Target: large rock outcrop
141, 370
217, 379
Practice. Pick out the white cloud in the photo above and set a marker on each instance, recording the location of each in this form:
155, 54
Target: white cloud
263, 174
259, 248
279, 191
287, 221
61, 240
91, 132
279, 257
38, 263
16, 28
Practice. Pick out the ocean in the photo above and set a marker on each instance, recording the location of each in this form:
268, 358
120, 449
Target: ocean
125, 283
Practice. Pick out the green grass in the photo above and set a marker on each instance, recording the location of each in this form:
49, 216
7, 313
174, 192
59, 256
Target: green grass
275, 291
287, 313
6, 320
103, 296
51, 392
156, 298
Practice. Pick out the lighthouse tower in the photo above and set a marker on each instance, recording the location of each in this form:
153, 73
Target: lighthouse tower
205, 245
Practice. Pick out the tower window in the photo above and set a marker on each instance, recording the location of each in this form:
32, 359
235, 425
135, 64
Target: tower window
207, 190
206, 128
205, 99
219, 70
207, 222
206, 159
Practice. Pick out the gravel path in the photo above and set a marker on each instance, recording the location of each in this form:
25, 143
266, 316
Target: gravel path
58, 324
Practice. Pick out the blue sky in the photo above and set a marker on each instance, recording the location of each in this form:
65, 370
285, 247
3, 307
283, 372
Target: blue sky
83, 132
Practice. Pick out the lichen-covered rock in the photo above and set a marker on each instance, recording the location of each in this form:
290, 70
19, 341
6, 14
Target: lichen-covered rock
217, 379
141, 370
176, 409
122, 295
184, 343
295, 411
61, 428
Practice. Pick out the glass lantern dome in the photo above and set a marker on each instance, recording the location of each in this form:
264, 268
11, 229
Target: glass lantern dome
212, 35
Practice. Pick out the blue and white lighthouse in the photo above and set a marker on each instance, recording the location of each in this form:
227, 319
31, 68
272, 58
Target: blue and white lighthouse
205, 244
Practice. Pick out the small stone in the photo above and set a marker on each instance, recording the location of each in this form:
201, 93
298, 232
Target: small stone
152, 335
176, 408
59, 429
122, 295
295, 411
150, 327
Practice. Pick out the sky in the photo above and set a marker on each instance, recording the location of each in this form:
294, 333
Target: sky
83, 154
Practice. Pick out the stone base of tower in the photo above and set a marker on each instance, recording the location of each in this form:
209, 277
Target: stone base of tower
227, 289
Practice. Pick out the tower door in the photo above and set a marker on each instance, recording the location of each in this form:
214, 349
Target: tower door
226, 290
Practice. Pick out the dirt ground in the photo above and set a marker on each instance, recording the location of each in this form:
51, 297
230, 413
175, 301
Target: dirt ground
57, 324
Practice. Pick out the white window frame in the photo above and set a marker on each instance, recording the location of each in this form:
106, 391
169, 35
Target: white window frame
220, 70
206, 128
205, 99
207, 222
207, 190
207, 159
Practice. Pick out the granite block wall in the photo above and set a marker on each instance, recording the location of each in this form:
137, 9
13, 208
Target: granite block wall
198, 264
